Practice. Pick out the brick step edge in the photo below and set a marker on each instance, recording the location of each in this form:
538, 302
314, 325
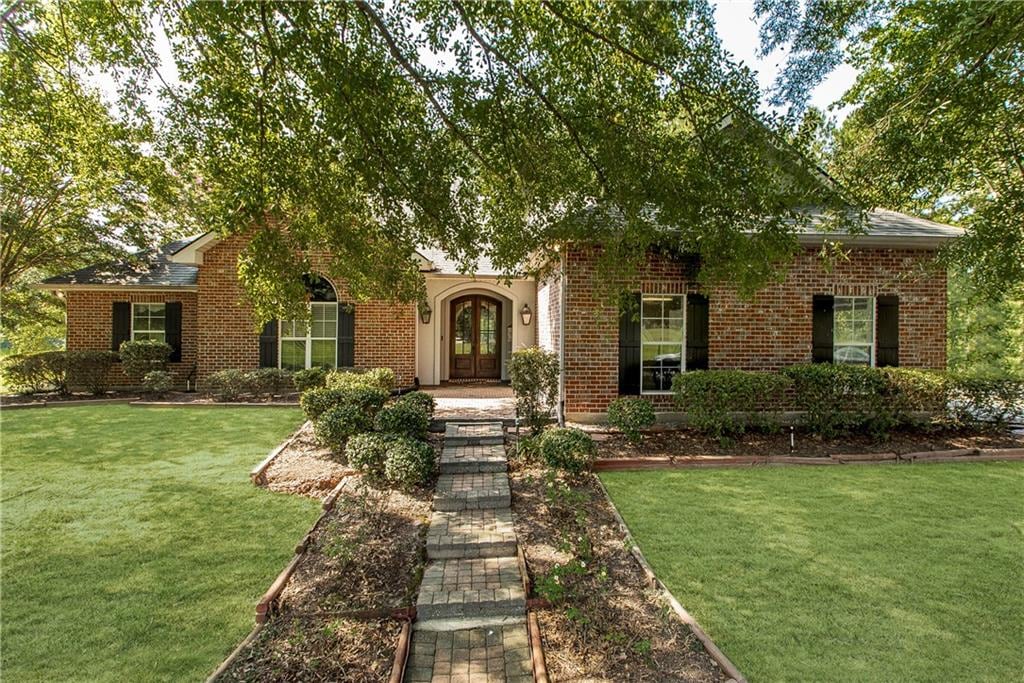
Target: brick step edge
473, 441
461, 610
473, 467
455, 503
468, 551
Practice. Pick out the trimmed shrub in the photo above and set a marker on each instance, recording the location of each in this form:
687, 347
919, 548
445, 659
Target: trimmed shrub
316, 402
227, 385
90, 369
409, 463
270, 382
403, 417
534, 376
916, 394
367, 453
311, 378
630, 416
338, 423
139, 357
839, 399
975, 401
26, 373
568, 449
380, 378
712, 399
157, 382
421, 399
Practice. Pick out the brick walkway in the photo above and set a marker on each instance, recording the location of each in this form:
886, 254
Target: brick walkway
471, 609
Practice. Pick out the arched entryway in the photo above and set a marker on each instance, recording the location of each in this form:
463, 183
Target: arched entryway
475, 337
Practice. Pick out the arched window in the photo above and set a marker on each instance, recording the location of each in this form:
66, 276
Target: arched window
316, 344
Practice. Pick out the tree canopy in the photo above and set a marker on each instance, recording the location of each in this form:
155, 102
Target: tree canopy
367, 128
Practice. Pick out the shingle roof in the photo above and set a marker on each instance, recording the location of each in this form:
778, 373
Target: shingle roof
885, 223
151, 268
444, 265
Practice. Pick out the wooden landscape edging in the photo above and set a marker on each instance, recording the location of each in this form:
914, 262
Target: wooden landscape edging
214, 404
669, 462
259, 473
720, 658
70, 402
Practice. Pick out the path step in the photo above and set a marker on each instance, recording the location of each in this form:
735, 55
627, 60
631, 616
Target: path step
472, 491
471, 533
473, 458
487, 654
479, 587
474, 434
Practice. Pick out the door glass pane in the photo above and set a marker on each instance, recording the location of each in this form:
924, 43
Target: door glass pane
464, 328
488, 328
293, 354
323, 353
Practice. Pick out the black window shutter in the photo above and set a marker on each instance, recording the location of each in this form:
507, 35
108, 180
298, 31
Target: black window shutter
172, 327
346, 336
121, 330
696, 332
629, 347
822, 328
268, 345
887, 331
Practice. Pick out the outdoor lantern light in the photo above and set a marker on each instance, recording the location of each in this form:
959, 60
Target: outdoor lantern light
526, 314
425, 313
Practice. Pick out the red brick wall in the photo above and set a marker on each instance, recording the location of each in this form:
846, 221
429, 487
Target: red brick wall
90, 326
229, 338
770, 331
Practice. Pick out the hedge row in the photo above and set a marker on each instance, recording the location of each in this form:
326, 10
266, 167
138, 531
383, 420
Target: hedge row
61, 371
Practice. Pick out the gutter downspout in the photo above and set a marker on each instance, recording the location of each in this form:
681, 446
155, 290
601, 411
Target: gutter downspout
563, 286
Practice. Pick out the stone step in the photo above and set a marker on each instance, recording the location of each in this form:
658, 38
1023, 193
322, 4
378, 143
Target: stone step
471, 533
473, 458
466, 588
496, 653
474, 434
472, 491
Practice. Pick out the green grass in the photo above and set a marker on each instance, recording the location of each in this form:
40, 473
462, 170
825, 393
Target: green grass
134, 545
873, 573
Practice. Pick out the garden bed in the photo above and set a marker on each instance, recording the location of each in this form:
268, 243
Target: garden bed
305, 467
49, 398
611, 625
367, 554
684, 443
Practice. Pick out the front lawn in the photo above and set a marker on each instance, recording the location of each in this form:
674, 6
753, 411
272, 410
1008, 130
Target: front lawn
898, 572
134, 545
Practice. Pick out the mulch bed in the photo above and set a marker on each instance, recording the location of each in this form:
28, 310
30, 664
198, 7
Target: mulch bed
54, 397
611, 625
367, 554
305, 467
677, 443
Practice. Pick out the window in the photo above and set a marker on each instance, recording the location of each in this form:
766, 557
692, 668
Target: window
853, 331
312, 346
149, 322
662, 341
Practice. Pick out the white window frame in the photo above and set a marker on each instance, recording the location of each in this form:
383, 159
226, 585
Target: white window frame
682, 350
309, 338
872, 306
149, 303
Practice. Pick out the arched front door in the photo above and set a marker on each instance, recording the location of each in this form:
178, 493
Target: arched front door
475, 338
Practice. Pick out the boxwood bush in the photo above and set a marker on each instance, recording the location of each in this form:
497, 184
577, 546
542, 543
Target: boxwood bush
408, 462
311, 378
380, 378
89, 370
315, 402
270, 382
407, 418
36, 372
630, 416
340, 422
227, 385
421, 399
139, 357
567, 449
157, 382
367, 453
839, 399
721, 403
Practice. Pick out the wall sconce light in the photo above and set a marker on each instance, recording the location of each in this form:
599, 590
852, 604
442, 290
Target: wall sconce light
425, 313
526, 314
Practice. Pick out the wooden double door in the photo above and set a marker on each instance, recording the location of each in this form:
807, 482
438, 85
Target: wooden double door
475, 338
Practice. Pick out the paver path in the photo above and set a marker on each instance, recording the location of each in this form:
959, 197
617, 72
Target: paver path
471, 608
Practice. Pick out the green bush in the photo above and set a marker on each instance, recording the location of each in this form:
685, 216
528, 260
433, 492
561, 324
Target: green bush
139, 357
409, 462
270, 382
25, 373
721, 403
976, 401
528, 447
380, 378
228, 385
316, 402
157, 382
89, 369
916, 393
311, 378
630, 416
839, 399
534, 376
403, 417
568, 449
340, 422
367, 453
421, 399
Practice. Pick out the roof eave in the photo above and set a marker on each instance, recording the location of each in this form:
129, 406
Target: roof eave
63, 287
930, 242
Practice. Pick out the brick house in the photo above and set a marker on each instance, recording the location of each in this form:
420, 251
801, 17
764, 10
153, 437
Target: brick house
879, 307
